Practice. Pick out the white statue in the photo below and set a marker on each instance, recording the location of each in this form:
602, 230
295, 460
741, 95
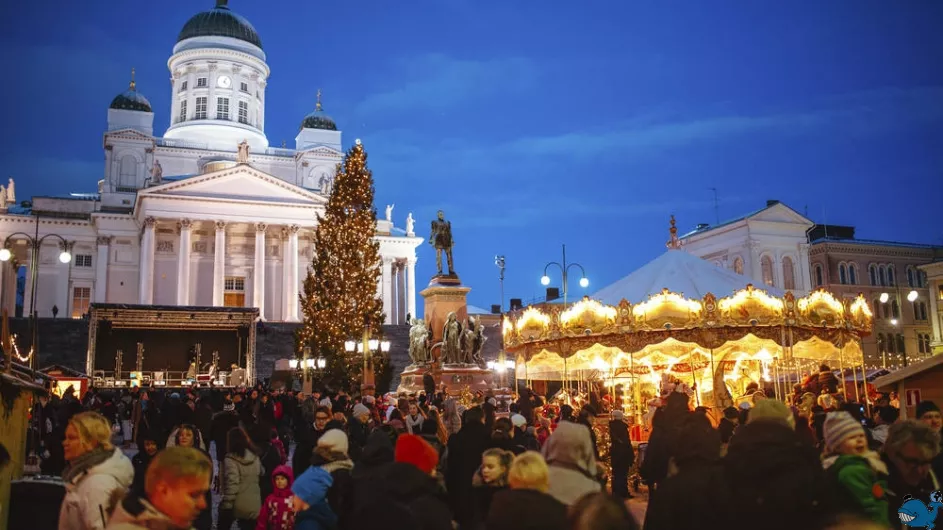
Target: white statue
11, 195
243, 156
325, 184
409, 224
3, 197
389, 213
157, 173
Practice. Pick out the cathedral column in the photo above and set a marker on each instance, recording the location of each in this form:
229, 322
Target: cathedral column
101, 269
755, 266
219, 265
387, 289
396, 294
805, 275
293, 272
183, 263
411, 287
258, 289
286, 273
146, 268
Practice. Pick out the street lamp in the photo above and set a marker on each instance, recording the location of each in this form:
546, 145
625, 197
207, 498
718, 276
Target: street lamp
499, 263
912, 296
306, 364
565, 269
367, 347
35, 243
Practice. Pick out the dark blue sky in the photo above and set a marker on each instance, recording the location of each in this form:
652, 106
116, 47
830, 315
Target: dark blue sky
536, 123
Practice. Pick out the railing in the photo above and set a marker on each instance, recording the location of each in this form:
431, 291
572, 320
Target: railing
157, 379
187, 144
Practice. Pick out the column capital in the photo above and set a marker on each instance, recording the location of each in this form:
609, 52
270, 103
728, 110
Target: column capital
294, 229
387, 260
260, 227
411, 261
220, 225
184, 224
104, 241
150, 222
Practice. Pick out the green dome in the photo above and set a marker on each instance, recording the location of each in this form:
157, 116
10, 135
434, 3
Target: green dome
318, 120
130, 99
220, 22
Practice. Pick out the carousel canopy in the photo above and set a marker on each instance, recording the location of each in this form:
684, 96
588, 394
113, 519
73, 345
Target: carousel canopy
679, 272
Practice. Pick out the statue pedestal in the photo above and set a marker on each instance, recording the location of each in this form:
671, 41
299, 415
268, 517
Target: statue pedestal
444, 295
455, 377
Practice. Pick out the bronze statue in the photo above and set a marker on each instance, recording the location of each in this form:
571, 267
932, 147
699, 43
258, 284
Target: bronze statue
419, 342
441, 239
452, 340
473, 340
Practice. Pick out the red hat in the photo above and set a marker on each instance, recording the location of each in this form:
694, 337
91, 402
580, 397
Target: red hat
412, 449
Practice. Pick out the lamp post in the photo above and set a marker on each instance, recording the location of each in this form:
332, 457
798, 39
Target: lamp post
306, 364
499, 262
367, 347
35, 243
565, 269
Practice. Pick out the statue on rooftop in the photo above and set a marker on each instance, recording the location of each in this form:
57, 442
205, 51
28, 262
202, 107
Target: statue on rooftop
11, 195
157, 173
243, 155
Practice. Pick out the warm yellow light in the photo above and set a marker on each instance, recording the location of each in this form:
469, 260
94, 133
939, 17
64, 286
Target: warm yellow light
819, 297
669, 298
860, 304
744, 295
586, 305
532, 315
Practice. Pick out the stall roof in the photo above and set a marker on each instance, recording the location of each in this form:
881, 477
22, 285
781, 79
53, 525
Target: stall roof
679, 272
908, 371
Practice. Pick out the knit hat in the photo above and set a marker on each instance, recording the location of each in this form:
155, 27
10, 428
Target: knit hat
326, 402
412, 449
518, 421
334, 440
229, 407
617, 415
369, 400
839, 426
926, 406
771, 410
360, 409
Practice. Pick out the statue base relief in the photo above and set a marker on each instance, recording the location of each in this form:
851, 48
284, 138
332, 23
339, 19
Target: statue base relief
455, 377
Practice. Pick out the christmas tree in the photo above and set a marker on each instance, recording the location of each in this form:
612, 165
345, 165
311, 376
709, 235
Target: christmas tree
340, 291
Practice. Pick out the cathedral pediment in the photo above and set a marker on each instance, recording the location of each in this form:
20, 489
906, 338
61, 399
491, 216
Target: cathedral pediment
128, 133
780, 213
241, 183
321, 151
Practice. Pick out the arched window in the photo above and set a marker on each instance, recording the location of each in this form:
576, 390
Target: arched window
901, 347
882, 275
738, 265
887, 311
872, 272
891, 344
842, 274
922, 276
911, 280
876, 308
766, 264
923, 311
895, 309
789, 274
853, 274
819, 280
891, 280
128, 174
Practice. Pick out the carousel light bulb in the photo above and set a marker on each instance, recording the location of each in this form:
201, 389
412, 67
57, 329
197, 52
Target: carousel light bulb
884, 297
584, 282
5, 254
545, 280
911, 296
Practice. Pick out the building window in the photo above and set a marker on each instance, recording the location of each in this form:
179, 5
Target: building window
891, 280
819, 280
842, 274
926, 343
881, 343
81, 297
895, 309
901, 347
83, 260
766, 264
244, 87
222, 108
911, 281
920, 311
183, 85
183, 111
882, 275
922, 278
234, 291
200, 110
920, 343
891, 345
243, 112
872, 272
853, 274
789, 274
201, 82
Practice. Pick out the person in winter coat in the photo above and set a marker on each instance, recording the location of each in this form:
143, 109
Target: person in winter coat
189, 436
241, 498
491, 478
827, 379
464, 456
572, 462
142, 459
858, 473
728, 424
908, 453
621, 453
97, 470
527, 506
177, 482
278, 511
222, 423
309, 499
665, 426
307, 440
261, 437
331, 456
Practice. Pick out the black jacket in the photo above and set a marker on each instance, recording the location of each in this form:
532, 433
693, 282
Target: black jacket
396, 496
525, 510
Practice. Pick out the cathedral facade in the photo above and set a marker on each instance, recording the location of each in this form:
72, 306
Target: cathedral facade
206, 215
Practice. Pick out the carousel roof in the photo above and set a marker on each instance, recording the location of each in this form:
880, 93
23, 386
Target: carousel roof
679, 272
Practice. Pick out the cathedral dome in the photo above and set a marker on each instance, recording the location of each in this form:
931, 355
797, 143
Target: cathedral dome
318, 119
220, 22
131, 99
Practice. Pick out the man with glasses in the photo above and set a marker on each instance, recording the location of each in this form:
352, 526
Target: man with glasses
308, 440
909, 452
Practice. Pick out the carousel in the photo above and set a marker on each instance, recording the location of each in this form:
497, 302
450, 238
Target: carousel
663, 329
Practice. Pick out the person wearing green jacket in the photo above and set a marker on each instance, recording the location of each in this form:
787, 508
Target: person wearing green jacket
859, 474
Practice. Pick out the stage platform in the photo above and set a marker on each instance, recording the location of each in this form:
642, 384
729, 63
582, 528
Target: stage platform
157, 343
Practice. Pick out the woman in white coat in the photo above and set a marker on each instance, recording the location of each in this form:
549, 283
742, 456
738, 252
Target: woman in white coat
97, 476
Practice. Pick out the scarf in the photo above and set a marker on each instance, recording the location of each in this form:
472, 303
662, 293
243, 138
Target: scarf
84, 463
414, 425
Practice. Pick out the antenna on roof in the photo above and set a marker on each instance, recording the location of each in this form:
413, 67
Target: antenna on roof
716, 207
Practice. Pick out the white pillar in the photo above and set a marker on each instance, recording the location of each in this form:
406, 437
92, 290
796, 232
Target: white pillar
293, 272
258, 289
286, 274
387, 284
395, 293
183, 263
934, 310
411, 286
805, 275
63, 285
778, 276
755, 266
146, 268
101, 269
219, 265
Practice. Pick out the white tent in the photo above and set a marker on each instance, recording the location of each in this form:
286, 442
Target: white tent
681, 273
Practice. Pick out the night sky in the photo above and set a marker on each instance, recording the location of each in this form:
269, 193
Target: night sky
536, 123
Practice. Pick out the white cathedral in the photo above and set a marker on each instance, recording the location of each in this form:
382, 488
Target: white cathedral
207, 215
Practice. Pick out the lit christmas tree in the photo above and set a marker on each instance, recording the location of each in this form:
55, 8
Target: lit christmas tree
340, 291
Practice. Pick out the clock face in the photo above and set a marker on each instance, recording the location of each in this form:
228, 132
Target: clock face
224, 81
